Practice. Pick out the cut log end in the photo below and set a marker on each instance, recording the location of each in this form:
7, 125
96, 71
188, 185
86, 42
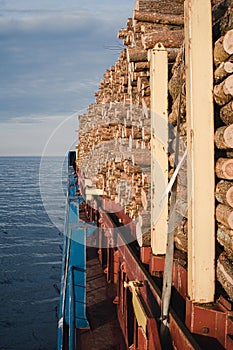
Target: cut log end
224, 192
226, 113
223, 92
224, 137
224, 168
224, 215
228, 42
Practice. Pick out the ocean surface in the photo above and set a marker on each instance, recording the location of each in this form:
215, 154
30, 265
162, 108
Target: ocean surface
31, 242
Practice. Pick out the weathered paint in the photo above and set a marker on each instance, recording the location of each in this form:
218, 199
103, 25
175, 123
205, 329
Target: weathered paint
200, 141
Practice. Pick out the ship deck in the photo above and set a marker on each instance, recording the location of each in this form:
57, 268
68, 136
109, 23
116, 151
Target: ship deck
105, 332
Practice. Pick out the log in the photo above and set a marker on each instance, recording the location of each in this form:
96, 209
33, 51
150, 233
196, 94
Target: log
218, 10
158, 17
223, 92
224, 215
169, 38
224, 192
163, 6
223, 70
136, 55
226, 22
224, 168
224, 137
225, 274
174, 85
147, 27
223, 48
226, 113
179, 105
122, 34
141, 66
181, 236
225, 238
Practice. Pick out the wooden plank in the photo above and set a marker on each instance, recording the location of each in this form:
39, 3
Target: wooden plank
159, 145
200, 136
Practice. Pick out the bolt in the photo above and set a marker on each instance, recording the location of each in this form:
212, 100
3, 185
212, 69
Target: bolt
205, 330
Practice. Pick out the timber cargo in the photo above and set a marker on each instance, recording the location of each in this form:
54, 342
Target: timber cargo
148, 245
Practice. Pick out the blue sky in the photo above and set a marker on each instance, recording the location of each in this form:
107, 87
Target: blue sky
53, 54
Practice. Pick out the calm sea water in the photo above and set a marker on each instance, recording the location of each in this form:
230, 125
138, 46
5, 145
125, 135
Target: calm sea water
30, 252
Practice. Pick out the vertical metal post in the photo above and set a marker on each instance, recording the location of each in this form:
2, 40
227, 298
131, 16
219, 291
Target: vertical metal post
159, 147
200, 139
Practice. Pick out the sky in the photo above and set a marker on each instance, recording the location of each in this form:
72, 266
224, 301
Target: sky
53, 54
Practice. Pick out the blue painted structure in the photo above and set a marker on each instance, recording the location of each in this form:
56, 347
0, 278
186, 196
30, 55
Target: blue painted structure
73, 282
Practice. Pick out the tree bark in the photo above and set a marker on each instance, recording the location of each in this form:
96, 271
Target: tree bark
225, 238
181, 236
158, 17
224, 137
122, 34
225, 274
177, 79
223, 92
179, 105
226, 22
226, 113
136, 55
223, 48
224, 168
224, 215
223, 70
141, 66
175, 7
224, 192
218, 10
169, 39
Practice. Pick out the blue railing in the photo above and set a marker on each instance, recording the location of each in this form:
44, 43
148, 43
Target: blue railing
73, 282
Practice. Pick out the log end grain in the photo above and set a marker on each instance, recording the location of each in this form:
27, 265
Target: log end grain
224, 168
224, 137
224, 215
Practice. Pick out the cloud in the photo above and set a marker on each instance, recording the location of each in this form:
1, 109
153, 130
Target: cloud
51, 70
53, 56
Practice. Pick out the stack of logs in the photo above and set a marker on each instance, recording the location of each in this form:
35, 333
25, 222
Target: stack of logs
152, 22
114, 137
223, 95
114, 152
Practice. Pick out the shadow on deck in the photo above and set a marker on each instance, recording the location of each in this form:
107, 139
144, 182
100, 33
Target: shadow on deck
105, 332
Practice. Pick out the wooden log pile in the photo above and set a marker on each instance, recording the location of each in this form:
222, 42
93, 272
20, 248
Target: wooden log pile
152, 22
114, 153
114, 137
223, 95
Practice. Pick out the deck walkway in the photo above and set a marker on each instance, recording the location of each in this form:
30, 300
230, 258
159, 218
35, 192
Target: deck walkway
105, 332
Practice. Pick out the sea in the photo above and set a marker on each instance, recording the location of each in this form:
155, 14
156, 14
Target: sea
32, 210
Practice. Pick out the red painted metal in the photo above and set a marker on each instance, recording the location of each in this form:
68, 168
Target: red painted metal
153, 335
215, 320
180, 279
116, 266
142, 340
145, 255
134, 272
210, 320
156, 264
179, 339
